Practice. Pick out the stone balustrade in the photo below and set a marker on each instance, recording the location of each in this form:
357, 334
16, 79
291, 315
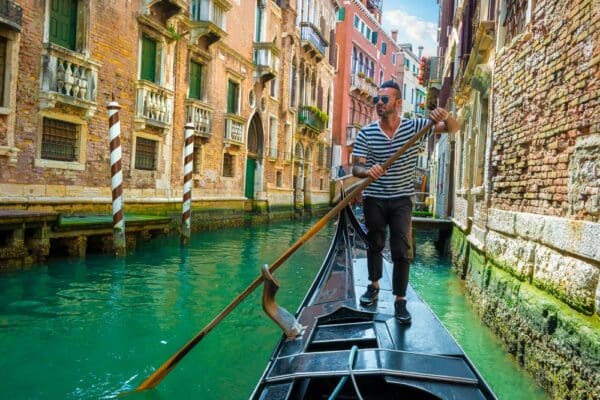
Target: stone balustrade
234, 129
68, 77
154, 105
199, 114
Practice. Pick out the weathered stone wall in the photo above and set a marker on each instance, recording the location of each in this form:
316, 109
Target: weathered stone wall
546, 114
531, 257
559, 347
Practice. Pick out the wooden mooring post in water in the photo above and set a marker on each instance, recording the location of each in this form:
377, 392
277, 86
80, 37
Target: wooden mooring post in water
114, 127
186, 212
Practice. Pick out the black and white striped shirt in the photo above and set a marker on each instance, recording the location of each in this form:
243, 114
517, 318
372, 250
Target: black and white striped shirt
374, 145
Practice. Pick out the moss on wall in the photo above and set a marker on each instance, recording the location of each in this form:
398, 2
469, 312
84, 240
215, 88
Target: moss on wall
559, 346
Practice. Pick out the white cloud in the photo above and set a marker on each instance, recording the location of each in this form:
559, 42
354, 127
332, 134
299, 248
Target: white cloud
412, 29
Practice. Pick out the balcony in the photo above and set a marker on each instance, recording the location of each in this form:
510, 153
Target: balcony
312, 40
165, 8
273, 153
309, 118
208, 19
68, 78
351, 134
234, 130
362, 85
200, 115
153, 106
266, 58
11, 14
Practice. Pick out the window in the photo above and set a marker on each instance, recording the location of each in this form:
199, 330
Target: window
233, 96
274, 88
149, 52
63, 23
145, 154
60, 140
321, 155
293, 85
404, 92
321, 184
273, 137
384, 48
393, 58
195, 82
228, 165
279, 179
356, 21
198, 157
380, 77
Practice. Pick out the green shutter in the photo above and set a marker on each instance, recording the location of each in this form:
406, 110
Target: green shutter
232, 98
341, 14
148, 59
63, 23
374, 37
195, 80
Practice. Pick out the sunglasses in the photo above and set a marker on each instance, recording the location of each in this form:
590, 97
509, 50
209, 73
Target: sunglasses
384, 99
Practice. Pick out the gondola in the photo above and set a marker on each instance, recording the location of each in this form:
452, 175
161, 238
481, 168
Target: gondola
335, 348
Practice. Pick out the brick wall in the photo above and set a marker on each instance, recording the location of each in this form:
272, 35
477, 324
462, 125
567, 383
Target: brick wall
545, 114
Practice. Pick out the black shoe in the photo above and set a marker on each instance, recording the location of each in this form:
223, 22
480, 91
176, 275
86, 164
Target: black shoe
370, 296
401, 313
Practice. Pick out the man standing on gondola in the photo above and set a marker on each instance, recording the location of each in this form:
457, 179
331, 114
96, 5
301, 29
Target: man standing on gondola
388, 200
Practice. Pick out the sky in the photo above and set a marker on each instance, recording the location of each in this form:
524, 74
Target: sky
416, 21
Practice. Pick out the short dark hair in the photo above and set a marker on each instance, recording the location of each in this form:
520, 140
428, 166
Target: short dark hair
390, 84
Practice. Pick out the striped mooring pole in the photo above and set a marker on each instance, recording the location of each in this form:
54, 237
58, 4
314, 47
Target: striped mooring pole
187, 183
114, 127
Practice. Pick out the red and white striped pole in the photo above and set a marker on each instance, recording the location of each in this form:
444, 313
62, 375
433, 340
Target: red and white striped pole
187, 183
116, 178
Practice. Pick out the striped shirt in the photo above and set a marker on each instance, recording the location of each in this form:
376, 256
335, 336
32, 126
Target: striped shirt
374, 145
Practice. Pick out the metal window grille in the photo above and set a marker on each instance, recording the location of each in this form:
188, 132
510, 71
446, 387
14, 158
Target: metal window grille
59, 140
145, 154
228, 165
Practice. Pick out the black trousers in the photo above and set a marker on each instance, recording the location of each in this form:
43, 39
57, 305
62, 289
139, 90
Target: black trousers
397, 213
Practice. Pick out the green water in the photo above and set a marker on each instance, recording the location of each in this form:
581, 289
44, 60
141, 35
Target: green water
90, 329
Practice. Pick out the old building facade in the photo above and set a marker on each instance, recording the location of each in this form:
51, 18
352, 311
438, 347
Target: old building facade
247, 74
525, 77
367, 57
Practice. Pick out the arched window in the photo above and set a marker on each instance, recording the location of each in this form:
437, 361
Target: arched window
352, 112
354, 60
372, 70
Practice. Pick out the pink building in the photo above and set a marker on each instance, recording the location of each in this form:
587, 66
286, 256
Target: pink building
367, 57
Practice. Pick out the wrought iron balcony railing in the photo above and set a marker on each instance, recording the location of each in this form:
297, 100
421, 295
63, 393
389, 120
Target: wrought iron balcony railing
307, 116
11, 14
312, 39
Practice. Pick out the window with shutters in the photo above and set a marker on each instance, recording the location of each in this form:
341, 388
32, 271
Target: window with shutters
60, 140
145, 154
233, 97
195, 80
384, 48
228, 162
63, 23
149, 54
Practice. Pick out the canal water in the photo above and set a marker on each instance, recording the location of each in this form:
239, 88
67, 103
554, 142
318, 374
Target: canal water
90, 329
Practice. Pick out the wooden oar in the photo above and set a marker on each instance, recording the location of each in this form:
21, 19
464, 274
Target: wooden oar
164, 369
